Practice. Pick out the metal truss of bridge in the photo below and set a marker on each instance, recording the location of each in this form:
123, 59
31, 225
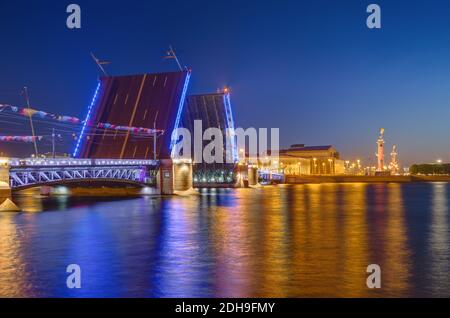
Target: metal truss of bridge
24, 173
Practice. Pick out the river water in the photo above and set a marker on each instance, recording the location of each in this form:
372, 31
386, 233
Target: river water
281, 241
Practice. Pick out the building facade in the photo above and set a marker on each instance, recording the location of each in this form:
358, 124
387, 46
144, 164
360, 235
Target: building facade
313, 160
304, 160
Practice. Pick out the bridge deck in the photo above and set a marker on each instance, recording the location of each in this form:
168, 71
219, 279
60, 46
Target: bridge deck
29, 172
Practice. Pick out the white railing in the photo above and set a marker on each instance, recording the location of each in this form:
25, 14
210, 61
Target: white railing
67, 162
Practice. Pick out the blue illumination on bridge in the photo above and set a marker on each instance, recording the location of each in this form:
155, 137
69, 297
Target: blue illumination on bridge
180, 109
29, 172
80, 137
230, 121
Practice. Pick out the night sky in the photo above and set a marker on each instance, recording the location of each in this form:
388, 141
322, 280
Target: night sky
311, 68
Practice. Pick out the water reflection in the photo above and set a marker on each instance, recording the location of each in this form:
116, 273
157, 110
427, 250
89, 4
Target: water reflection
354, 259
12, 271
232, 239
438, 241
285, 241
396, 266
182, 256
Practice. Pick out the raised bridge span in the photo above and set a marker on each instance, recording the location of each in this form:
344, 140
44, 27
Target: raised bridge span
31, 172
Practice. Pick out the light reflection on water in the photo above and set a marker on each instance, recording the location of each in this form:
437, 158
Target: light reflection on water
283, 241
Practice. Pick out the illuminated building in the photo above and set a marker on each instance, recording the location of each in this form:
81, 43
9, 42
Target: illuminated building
303, 160
293, 165
323, 160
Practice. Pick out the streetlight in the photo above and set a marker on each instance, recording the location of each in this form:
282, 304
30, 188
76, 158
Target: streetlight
241, 155
347, 166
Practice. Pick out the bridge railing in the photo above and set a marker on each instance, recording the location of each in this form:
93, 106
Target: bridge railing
28, 176
26, 172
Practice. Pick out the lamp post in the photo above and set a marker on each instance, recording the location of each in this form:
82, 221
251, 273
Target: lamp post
330, 161
242, 158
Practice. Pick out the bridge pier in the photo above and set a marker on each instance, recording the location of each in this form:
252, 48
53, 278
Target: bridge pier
5, 192
6, 205
252, 176
5, 189
183, 176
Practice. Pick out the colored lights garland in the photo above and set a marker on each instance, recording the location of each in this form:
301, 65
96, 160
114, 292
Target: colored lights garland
20, 138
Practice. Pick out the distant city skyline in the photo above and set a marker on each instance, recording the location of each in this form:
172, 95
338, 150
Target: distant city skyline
311, 68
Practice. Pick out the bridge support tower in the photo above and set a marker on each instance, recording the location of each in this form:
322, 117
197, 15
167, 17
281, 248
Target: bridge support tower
174, 176
6, 205
5, 189
252, 175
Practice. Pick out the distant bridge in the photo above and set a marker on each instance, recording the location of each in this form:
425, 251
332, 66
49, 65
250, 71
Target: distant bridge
32, 172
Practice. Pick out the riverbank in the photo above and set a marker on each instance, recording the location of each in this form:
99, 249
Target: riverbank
364, 179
